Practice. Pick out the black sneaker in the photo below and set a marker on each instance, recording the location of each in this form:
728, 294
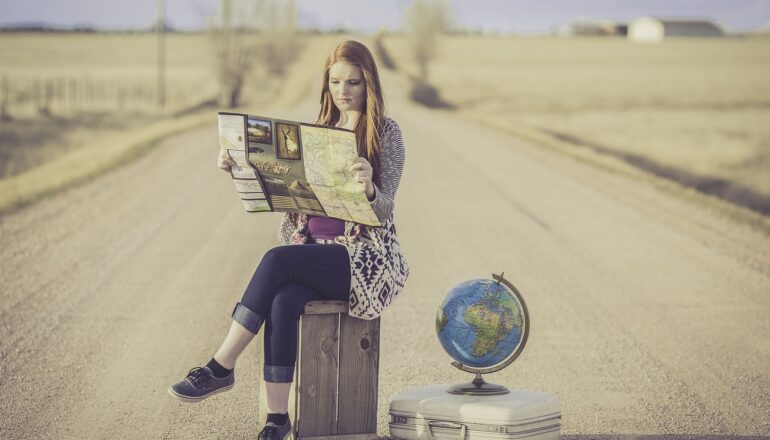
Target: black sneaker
199, 384
271, 431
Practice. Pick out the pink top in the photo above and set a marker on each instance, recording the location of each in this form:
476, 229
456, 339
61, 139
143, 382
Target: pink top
325, 228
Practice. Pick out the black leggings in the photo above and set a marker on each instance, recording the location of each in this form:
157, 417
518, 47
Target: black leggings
287, 278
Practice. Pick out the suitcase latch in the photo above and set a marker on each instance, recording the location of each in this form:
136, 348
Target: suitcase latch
398, 419
443, 424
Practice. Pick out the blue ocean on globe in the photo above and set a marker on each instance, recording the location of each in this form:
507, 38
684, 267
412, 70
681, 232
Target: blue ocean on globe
480, 323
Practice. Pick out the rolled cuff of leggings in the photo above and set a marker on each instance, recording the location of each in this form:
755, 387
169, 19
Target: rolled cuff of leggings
277, 373
248, 319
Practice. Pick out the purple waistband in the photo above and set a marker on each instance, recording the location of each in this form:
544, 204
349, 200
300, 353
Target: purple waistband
325, 227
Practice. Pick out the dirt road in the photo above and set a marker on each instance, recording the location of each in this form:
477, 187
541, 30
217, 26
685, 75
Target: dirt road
649, 313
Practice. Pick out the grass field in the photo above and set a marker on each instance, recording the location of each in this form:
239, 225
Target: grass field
102, 85
106, 62
88, 132
694, 110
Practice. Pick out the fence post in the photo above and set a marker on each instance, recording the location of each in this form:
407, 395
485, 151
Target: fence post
4, 99
36, 94
73, 94
60, 89
47, 97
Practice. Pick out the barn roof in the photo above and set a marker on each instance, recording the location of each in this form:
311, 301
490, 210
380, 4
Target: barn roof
690, 27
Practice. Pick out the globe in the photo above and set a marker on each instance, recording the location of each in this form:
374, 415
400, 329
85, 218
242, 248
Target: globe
483, 324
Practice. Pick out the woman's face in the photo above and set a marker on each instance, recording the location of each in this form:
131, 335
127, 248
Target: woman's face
347, 86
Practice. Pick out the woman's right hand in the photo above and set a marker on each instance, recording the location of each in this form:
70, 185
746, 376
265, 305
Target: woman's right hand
224, 161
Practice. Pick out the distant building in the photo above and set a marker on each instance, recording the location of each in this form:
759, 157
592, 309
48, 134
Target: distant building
654, 30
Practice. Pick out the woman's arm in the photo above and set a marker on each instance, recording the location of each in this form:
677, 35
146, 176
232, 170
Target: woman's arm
392, 156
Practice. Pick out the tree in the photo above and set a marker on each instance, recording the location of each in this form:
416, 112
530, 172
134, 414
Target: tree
246, 33
425, 20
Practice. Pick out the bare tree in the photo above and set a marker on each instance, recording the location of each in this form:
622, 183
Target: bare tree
261, 32
425, 20
280, 44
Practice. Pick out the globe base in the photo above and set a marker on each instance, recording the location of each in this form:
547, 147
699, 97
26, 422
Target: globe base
478, 388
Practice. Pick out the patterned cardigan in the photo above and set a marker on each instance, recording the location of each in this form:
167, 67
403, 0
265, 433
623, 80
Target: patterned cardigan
377, 265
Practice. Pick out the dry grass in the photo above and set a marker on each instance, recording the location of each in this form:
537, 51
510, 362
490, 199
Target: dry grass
692, 106
87, 142
104, 62
107, 61
88, 160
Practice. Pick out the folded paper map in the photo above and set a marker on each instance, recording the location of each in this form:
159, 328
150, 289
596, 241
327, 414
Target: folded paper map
287, 166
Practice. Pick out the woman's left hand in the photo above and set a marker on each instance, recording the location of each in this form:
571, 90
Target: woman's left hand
363, 170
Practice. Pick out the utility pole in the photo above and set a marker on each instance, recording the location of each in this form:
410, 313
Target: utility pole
225, 53
160, 23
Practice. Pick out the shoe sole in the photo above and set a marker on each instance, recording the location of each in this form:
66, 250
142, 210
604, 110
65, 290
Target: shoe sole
198, 399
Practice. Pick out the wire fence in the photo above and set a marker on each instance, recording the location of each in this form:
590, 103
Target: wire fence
67, 94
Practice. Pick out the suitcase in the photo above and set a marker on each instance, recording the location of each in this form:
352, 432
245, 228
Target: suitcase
431, 413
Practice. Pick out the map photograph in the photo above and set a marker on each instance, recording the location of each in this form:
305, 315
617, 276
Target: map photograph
288, 141
305, 198
301, 189
260, 130
280, 195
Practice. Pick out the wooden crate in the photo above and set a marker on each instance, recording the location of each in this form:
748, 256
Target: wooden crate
334, 393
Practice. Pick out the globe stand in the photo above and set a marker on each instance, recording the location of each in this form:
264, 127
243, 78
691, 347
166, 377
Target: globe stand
478, 387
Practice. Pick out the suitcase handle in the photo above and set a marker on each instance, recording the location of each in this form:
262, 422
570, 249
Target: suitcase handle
444, 424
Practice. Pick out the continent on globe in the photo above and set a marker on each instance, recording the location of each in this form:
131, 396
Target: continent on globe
481, 323
493, 320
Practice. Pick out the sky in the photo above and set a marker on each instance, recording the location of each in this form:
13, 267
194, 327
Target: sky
522, 16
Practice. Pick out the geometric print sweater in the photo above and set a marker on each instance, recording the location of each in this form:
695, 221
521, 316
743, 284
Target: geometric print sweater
378, 268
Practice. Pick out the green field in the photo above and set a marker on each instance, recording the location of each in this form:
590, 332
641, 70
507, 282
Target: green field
694, 110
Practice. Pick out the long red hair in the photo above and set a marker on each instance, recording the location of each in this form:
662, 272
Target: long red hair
369, 124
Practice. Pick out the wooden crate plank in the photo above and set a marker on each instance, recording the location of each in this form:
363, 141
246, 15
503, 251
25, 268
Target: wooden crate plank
325, 306
317, 387
359, 367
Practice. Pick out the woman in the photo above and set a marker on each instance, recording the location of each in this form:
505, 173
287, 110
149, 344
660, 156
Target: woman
337, 260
